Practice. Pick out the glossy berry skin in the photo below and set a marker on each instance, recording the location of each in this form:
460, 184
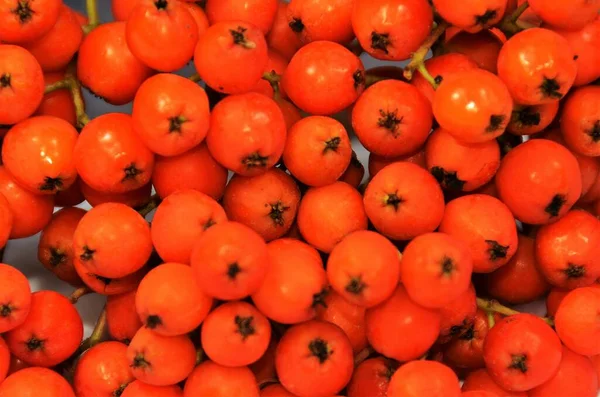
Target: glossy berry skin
486, 225
305, 18
260, 13
474, 106
568, 15
152, 29
552, 187
103, 371
180, 220
359, 283
211, 379
112, 240
106, 285
580, 121
122, 320
256, 123
15, 298
348, 316
36, 382
137, 198
170, 114
266, 203
537, 66
55, 249
446, 269
392, 118
371, 378
6, 220
38, 152
414, 202
160, 360
106, 66
314, 359
480, 380
577, 321
529, 120
399, 314
482, 47
5, 360
424, 378
324, 78
458, 315
29, 21
473, 15
521, 352
568, 250
21, 84
391, 30
51, 333
109, 156
582, 42
281, 38
223, 48
183, 312
235, 334
140, 389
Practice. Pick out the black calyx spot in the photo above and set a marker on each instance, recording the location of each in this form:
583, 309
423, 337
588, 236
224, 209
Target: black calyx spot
380, 41
239, 37
233, 270
359, 79
556, 204
244, 326
131, 172
485, 18
51, 184
56, 257
210, 222
495, 250
574, 271
87, 254
519, 362
120, 390
5, 80
320, 349
550, 88
139, 361
456, 330
594, 132
448, 266
255, 160
438, 79
332, 144
296, 25
496, 123
394, 200
104, 280
468, 334
319, 298
161, 4
23, 11
356, 285
526, 116
278, 209
175, 123
390, 121
575, 57
6, 310
34, 344
447, 179
153, 321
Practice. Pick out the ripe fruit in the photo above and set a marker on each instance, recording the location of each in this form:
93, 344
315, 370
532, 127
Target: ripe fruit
121, 317
6, 220
371, 378
314, 359
480, 380
235, 334
569, 15
537, 66
51, 332
474, 106
180, 306
15, 298
324, 78
281, 38
582, 43
364, 268
391, 30
392, 118
482, 47
57, 103
140, 389
170, 114
576, 321
529, 120
580, 121
305, 18
421, 378
404, 201
38, 153
26, 21
35, 381
535, 190
521, 352
348, 316
473, 15
210, 379
260, 13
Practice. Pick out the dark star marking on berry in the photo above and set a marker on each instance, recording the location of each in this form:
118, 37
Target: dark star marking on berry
296, 25
390, 121
233, 270
496, 123
319, 298
468, 334
277, 211
394, 200
153, 321
34, 344
448, 266
556, 204
6, 310
244, 326
87, 254
519, 362
438, 79
175, 123
448, 179
332, 144
526, 116
161, 4
495, 250
210, 222
23, 11
255, 160
550, 88
120, 390
56, 257
320, 349
139, 361
356, 285
5, 80
594, 132
574, 271
51, 184
380, 41
131, 172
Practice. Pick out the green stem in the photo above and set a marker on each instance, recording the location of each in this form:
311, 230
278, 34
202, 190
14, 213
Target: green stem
509, 24
273, 79
78, 293
92, 13
492, 306
195, 78
59, 85
418, 58
491, 319
154, 202
75, 87
427, 76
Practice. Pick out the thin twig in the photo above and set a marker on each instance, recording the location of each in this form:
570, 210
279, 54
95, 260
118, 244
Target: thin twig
418, 58
363, 355
78, 293
509, 24
59, 85
492, 306
92, 14
154, 202
75, 87
195, 78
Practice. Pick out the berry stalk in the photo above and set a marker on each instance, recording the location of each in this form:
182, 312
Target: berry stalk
417, 61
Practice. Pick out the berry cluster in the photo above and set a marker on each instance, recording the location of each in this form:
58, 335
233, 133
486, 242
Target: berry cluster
239, 252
